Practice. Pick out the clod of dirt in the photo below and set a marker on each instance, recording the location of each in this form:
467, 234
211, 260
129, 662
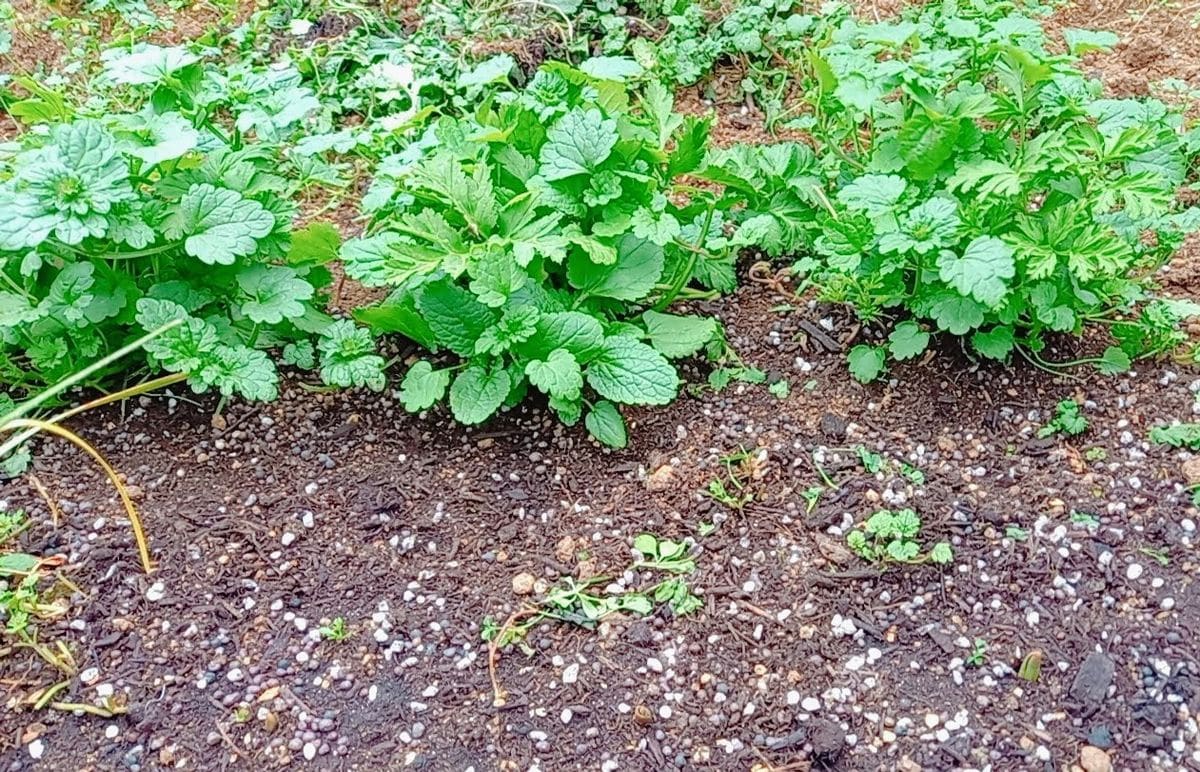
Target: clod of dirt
827, 740
1191, 471
1092, 681
1092, 759
661, 479
522, 583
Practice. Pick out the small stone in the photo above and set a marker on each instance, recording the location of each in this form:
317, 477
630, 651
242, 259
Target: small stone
287, 538
570, 673
810, 704
156, 592
310, 751
1092, 681
522, 584
1093, 759
931, 720
1134, 571
793, 698
89, 675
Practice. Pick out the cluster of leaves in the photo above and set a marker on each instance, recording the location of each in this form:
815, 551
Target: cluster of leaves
1177, 435
578, 602
893, 537
1068, 420
539, 241
20, 600
120, 223
970, 182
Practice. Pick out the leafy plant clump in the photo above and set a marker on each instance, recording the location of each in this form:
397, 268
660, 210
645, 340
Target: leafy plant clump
540, 241
968, 181
120, 223
1068, 420
892, 537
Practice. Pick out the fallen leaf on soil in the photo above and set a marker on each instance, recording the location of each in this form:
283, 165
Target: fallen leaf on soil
269, 694
833, 550
642, 715
565, 549
1191, 471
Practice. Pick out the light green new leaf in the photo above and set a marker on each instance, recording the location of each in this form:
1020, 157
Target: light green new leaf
678, 336
495, 277
348, 357
867, 362
218, 225
660, 228
559, 375
423, 387
907, 341
146, 64
577, 143
488, 71
983, 270
630, 372
875, 194
477, 393
276, 293
315, 244
605, 422
996, 343
1083, 41
618, 68
956, 314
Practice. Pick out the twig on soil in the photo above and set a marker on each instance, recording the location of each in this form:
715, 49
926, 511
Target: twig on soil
55, 513
499, 696
95, 710
229, 741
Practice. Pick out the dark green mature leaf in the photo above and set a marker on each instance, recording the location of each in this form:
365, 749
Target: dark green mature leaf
477, 393
630, 372
605, 422
456, 318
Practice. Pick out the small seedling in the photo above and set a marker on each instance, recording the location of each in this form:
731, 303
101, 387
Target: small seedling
892, 537
978, 652
872, 462
335, 630
719, 493
1016, 533
780, 389
704, 528
730, 489
1068, 420
811, 496
1177, 436
1031, 666
1086, 519
11, 524
913, 474
1096, 454
1156, 554
663, 554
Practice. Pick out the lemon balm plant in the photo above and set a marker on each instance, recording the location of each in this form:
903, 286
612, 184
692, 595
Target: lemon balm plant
540, 241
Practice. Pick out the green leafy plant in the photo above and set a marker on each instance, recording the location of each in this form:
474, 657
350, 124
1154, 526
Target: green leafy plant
1177, 435
893, 537
336, 630
121, 225
1068, 420
967, 181
978, 652
539, 242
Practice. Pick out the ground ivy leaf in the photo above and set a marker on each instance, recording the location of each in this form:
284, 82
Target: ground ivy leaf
867, 362
875, 194
1114, 361
578, 333
628, 371
423, 387
218, 225
605, 422
1083, 41
495, 277
618, 68
276, 293
559, 375
300, 354
577, 143
907, 341
316, 244
996, 343
478, 392
678, 336
348, 357
982, 272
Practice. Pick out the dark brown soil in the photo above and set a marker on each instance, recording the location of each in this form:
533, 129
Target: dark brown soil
413, 529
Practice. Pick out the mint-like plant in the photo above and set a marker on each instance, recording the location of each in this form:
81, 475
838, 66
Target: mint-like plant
539, 242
